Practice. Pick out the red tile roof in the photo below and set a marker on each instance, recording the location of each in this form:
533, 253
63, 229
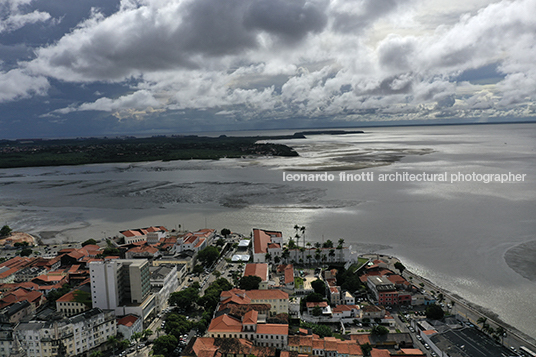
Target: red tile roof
289, 275
128, 320
313, 304
69, 297
341, 308
261, 238
270, 294
379, 353
257, 269
250, 317
272, 329
225, 323
198, 244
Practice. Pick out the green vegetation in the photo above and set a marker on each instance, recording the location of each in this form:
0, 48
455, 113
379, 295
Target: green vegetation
5, 231
185, 298
26, 252
348, 280
165, 345
56, 294
298, 282
250, 282
225, 232
95, 150
434, 312
400, 267
318, 329
83, 297
319, 287
379, 330
366, 348
89, 241
208, 256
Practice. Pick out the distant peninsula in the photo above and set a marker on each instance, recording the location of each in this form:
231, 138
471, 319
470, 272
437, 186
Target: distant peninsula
328, 132
81, 151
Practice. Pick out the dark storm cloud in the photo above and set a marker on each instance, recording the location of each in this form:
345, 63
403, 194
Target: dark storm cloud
215, 27
292, 20
359, 14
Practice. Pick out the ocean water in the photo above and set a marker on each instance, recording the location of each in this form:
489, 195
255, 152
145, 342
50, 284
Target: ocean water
472, 238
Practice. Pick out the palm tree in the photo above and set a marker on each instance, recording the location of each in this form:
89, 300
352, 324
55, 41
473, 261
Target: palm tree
482, 320
332, 252
341, 244
113, 340
309, 256
317, 245
285, 255
501, 331
297, 236
302, 229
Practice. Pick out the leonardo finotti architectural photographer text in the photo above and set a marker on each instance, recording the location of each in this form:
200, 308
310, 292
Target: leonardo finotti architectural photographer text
405, 176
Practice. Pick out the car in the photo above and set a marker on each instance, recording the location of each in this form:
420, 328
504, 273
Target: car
427, 346
411, 329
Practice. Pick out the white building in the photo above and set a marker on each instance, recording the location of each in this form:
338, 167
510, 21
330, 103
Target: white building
163, 282
77, 334
122, 285
129, 325
266, 242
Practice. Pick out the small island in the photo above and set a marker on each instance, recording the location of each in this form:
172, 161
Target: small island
81, 151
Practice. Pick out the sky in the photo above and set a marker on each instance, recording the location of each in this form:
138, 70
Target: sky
147, 67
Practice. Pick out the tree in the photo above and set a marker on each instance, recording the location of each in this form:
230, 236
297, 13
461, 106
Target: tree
400, 267
26, 252
291, 244
165, 345
185, 298
113, 341
341, 244
277, 260
317, 311
327, 244
220, 242
366, 348
83, 297
302, 230
109, 251
56, 294
314, 297
5, 231
319, 287
90, 241
147, 333
379, 330
268, 257
250, 282
434, 312
322, 331
136, 336
225, 232
482, 320
501, 332
208, 256
96, 354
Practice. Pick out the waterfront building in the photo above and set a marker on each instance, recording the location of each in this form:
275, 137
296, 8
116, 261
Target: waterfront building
122, 285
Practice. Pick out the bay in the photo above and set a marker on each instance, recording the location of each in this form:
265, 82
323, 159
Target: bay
454, 233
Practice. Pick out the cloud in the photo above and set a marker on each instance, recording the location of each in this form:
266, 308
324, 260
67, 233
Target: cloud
16, 84
12, 16
276, 59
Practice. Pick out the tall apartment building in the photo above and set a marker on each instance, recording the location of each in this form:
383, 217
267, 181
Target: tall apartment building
70, 336
122, 285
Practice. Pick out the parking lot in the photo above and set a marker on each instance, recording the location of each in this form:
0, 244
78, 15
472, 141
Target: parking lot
469, 342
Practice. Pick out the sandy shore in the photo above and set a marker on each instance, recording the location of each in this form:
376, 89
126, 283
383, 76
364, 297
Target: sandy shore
19, 237
521, 259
